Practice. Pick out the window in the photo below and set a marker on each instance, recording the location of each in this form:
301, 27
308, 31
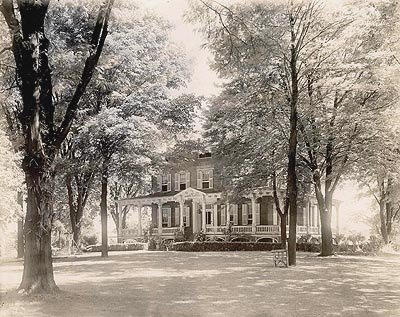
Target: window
164, 182
205, 179
234, 214
249, 217
182, 181
247, 214
166, 217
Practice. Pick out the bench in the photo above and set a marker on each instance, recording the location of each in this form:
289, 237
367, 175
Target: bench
280, 257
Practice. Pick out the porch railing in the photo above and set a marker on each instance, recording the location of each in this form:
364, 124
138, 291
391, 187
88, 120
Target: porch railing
242, 229
268, 229
260, 229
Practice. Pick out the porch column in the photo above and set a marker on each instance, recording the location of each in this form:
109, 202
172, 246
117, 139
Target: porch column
203, 216
140, 220
215, 217
195, 208
181, 210
253, 213
317, 211
159, 205
228, 214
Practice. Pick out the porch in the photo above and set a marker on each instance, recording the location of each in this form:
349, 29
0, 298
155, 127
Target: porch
196, 211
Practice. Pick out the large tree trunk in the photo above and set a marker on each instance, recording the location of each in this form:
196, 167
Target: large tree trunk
103, 211
291, 174
382, 217
20, 238
325, 211
283, 218
326, 231
20, 229
38, 264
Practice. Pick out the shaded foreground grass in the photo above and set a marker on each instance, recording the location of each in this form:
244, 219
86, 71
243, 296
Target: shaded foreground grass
210, 284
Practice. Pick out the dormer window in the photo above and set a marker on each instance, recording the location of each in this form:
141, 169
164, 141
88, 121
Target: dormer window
205, 155
205, 178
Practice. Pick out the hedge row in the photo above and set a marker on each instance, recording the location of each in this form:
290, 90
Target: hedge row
208, 246
117, 247
224, 246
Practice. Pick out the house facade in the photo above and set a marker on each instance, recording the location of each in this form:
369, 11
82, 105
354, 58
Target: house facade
191, 199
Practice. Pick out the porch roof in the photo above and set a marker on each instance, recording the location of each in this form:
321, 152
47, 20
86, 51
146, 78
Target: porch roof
163, 197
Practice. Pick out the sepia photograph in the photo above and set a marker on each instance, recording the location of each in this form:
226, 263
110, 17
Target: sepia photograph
199, 158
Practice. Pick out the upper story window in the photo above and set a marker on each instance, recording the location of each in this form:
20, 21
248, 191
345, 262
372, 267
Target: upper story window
182, 180
164, 182
205, 178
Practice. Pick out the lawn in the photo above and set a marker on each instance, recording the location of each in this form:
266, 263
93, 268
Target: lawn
210, 284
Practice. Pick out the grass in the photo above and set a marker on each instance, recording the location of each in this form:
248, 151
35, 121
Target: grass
210, 284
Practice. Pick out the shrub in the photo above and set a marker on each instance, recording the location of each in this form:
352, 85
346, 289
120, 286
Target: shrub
179, 236
89, 239
356, 245
200, 236
308, 247
152, 243
304, 238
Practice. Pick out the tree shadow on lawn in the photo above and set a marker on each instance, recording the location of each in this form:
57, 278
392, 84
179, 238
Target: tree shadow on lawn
227, 284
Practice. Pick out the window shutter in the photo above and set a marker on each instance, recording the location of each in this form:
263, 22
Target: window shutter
211, 178
177, 209
187, 180
169, 182
235, 214
159, 181
223, 215
176, 182
244, 214
199, 180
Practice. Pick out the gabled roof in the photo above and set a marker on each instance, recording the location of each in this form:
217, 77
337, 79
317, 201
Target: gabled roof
189, 193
